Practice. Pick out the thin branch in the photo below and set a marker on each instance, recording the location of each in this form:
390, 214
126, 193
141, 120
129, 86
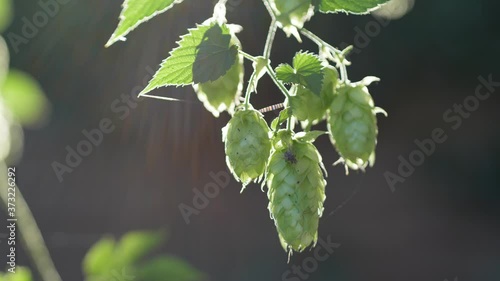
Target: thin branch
31, 237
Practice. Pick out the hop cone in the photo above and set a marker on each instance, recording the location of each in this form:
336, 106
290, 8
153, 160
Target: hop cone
222, 94
247, 145
310, 108
296, 193
292, 14
353, 125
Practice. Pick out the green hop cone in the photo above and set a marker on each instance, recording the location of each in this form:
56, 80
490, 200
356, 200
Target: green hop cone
309, 107
352, 124
296, 192
247, 145
292, 14
223, 93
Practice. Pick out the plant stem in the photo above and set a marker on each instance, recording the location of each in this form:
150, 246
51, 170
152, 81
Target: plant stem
320, 42
289, 123
339, 55
247, 56
250, 88
270, 38
343, 72
267, 52
272, 30
31, 236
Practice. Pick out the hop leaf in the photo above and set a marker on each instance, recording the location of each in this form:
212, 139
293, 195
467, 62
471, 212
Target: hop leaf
204, 55
296, 192
247, 145
353, 126
222, 94
306, 71
348, 6
136, 12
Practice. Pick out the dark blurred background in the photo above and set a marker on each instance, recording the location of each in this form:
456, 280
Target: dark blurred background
441, 222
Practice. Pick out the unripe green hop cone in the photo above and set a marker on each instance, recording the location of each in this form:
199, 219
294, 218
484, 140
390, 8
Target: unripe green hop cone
247, 145
223, 93
296, 192
311, 108
292, 14
352, 125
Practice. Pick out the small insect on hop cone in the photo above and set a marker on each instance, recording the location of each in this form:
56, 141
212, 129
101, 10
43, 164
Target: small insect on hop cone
352, 124
247, 145
296, 192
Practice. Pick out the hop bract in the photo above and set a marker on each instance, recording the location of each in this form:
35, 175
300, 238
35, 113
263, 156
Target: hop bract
296, 192
353, 125
247, 145
292, 14
309, 107
223, 93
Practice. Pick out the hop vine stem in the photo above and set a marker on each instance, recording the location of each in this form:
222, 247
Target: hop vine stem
31, 236
249, 89
247, 56
340, 56
267, 54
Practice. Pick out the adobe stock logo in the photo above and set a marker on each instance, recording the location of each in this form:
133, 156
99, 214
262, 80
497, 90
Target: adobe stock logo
121, 108
201, 199
31, 27
454, 117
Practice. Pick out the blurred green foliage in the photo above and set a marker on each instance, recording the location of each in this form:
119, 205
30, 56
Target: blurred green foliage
5, 14
21, 274
22, 101
25, 98
109, 259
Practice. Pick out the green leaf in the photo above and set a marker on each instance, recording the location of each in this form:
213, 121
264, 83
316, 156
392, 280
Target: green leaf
306, 71
348, 6
284, 115
99, 260
168, 268
135, 12
5, 14
204, 55
135, 245
25, 98
309, 136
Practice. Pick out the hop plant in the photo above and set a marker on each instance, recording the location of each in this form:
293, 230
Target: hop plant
247, 145
352, 124
223, 93
209, 57
296, 191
